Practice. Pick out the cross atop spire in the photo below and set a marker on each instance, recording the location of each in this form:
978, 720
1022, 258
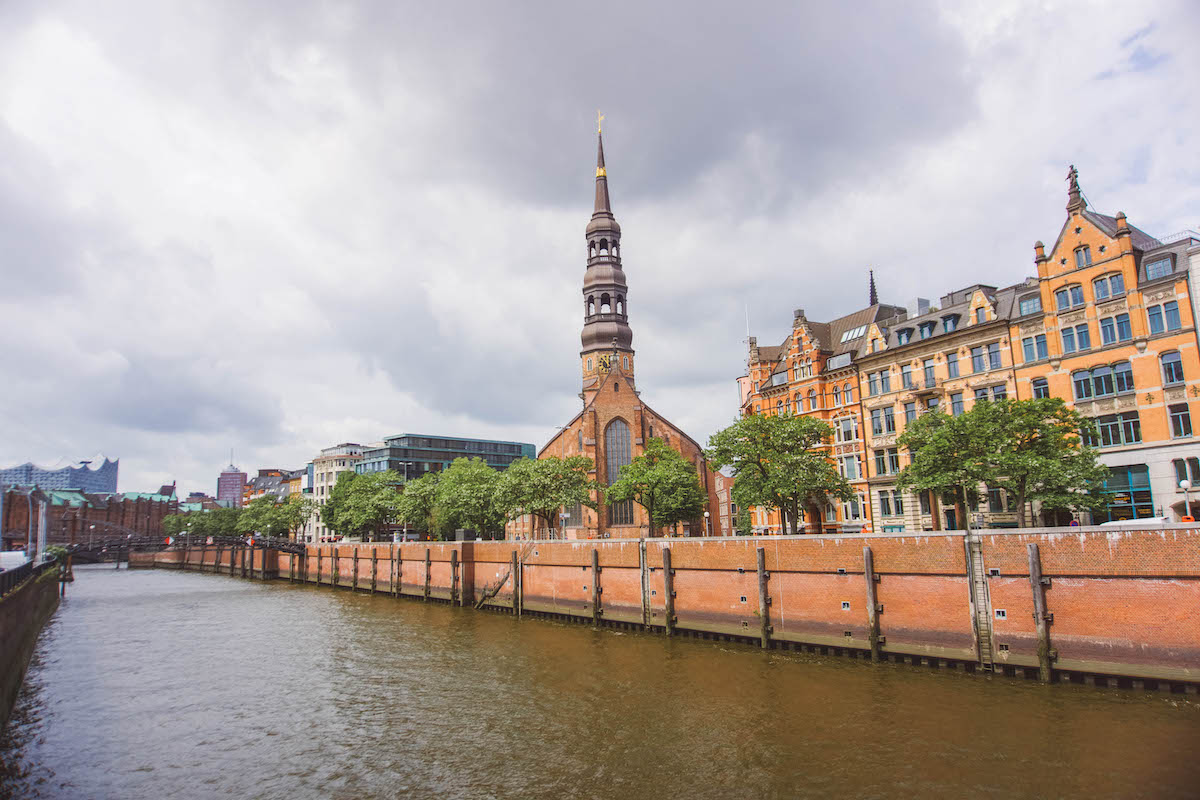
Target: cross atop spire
1075, 201
874, 301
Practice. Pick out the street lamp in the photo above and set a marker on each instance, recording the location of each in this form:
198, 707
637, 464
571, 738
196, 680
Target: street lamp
707, 523
563, 516
1186, 485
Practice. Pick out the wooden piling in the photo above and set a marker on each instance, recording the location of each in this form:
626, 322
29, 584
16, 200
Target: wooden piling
668, 591
333, 566
513, 573
454, 600
1040, 617
428, 571
596, 610
764, 600
354, 583
374, 569
319, 553
399, 558
873, 605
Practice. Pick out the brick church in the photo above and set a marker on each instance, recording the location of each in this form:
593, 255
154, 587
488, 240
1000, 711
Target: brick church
614, 421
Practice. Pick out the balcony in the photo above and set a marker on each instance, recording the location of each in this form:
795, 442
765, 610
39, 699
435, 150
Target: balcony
933, 387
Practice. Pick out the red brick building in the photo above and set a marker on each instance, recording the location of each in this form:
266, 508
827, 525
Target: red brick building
615, 423
75, 517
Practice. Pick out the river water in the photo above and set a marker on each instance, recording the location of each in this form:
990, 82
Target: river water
155, 684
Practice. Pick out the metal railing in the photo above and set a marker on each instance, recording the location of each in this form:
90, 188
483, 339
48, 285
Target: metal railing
10, 579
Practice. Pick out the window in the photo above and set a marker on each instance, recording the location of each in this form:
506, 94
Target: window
880, 462
876, 421
1102, 381
932, 403
1108, 286
848, 467
952, 365
1189, 470
873, 384
854, 333
994, 355
575, 520
1068, 297
626, 360
1118, 429
1115, 329
981, 315
1172, 367
923, 498
898, 502
926, 329
903, 335
995, 500
1159, 268
1122, 377
893, 460
977, 362
848, 393
1076, 338
956, 404
950, 322
910, 412
1030, 305
1164, 317
906, 376
853, 509
885, 381
1083, 256
1041, 388
927, 368
812, 399
847, 430
616, 445
885, 503
1181, 421
889, 419
837, 395
1127, 494
1035, 347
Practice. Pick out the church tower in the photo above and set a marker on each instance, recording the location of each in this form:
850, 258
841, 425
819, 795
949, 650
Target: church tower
606, 338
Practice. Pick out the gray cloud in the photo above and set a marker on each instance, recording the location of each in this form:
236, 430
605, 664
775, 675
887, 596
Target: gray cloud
224, 225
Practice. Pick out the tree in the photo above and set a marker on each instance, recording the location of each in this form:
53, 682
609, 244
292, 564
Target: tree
418, 505
261, 516
949, 455
661, 481
1039, 454
542, 486
780, 462
466, 497
363, 505
295, 512
336, 506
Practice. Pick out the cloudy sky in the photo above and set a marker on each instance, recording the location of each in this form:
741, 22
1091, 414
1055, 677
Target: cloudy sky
276, 226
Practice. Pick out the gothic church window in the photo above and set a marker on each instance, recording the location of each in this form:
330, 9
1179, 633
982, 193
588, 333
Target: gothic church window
617, 455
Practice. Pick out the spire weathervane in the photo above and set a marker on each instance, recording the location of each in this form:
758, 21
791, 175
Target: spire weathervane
599, 120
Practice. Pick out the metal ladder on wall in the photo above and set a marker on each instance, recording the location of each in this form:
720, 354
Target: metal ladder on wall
982, 602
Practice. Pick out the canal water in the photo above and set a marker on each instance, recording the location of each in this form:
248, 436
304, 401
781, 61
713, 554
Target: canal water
154, 684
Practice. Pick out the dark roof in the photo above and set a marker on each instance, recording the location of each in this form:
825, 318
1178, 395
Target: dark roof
859, 319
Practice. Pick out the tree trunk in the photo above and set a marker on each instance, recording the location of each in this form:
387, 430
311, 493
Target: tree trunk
1021, 491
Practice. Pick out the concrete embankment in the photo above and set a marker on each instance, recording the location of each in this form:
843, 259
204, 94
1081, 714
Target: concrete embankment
1068, 604
23, 614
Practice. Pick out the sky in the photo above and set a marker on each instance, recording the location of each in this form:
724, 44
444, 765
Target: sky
273, 227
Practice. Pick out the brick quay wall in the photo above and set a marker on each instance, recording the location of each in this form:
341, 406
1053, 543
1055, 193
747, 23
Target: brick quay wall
1115, 605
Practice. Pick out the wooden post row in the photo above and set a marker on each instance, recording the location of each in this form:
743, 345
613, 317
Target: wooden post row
668, 591
764, 600
596, 590
874, 607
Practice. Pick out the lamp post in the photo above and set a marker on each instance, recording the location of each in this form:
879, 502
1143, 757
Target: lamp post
707, 523
563, 516
1186, 485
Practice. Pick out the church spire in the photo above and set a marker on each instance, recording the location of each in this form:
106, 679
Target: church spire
603, 203
874, 294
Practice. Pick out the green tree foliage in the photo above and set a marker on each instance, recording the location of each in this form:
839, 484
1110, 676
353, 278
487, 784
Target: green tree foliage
363, 505
661, 481
295, 512
419, 507
1031, 448
465, 497
263, 517
780, 462
542, 486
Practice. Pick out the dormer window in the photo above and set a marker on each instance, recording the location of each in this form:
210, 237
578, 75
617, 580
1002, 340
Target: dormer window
926, 329
1158, 268
1083, 256
903, 335
950, 322
980, 315
1030, 305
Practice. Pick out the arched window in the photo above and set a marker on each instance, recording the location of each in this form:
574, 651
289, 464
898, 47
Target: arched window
605, 305
1068, 297
580, 434
617, 455
848, 393
812, 399
620, 304
1041, 388
603, 246
591, 306
614, 249
625, 361
589, 363
837, 395
1108, 286
778, 408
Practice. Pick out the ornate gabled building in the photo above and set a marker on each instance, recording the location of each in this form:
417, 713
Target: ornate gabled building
814, 372
614, 423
